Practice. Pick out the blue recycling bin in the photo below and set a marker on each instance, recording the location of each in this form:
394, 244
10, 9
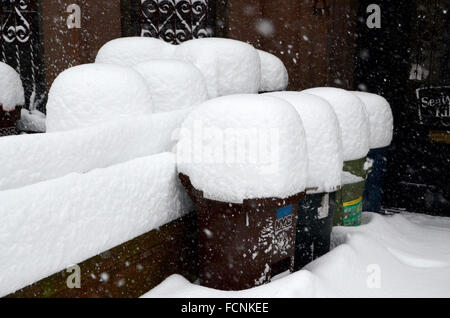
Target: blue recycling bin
374, 184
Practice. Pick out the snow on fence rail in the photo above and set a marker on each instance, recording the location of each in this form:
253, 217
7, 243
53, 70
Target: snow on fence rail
49, 226
28, 159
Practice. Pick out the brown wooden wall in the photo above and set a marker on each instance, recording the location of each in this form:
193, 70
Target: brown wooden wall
314, 38
64, 47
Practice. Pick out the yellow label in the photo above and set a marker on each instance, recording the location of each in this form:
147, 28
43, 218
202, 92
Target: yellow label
349, 203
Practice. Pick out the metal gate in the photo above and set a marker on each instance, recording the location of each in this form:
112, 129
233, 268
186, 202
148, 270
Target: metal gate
173, 21
20, 47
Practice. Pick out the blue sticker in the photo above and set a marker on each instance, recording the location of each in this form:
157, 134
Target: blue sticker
284, 211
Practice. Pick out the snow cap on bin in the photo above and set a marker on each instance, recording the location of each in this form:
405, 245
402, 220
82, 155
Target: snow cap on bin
89, 94
11, 89
130, 51
323, 138
380, 119
229, 66
173, 84
353, 120
274, 75
242, 147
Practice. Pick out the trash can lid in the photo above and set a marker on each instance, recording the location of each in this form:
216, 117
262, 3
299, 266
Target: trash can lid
380, 119
89, 94
229, 66
353, 120
323, 139
274, 75
129, 51
242, 147
11, 88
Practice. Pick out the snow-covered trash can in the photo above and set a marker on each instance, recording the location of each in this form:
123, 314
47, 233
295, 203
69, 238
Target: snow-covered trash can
381, 132
354, 126
91, 94
243, 161
274, 75
315, 220
12, 100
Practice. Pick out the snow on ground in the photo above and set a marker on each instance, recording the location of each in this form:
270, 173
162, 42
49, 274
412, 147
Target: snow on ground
244, 147
405, 255
274, 75
174, 84
90, 94
31, 121
27, 159
48, 226
229, 66
11, 89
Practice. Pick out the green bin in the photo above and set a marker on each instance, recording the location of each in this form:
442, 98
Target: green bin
349, 199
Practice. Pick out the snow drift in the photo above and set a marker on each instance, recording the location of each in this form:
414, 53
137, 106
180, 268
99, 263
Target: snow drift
130, 51
229, 66
28, 159
323, 139
173, 84
409, 252
90, 94
11, 89
244, 147
51, 225
353, 120
380, 119
274, 75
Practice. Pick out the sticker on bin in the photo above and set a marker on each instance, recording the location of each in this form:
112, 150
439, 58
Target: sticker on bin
284, 212
352, 212
324, 207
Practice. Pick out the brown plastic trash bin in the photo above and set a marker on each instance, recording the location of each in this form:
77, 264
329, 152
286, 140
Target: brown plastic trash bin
8, 121
243, 245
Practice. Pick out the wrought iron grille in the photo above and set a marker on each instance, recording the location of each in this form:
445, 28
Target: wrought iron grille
20, 47
176, 21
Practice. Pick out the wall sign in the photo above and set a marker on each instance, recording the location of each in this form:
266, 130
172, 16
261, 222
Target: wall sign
434, 105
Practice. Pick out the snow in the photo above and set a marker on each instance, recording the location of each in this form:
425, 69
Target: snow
31, 121
11, 89
244, 147
380, 119
350, 178
90, 94
130, 51
52, 225
229, 66
409, 252
274, 75
323, 139
28, 159
353, 120
173, 84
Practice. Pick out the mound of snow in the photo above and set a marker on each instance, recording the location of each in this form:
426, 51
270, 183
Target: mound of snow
134, 50
323, 138
93, 93
31, 121
51, 225
380, 119
274, 75
28, 159
389, 256
173, 84
229, 66
244, 147
353, 120
11, 89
